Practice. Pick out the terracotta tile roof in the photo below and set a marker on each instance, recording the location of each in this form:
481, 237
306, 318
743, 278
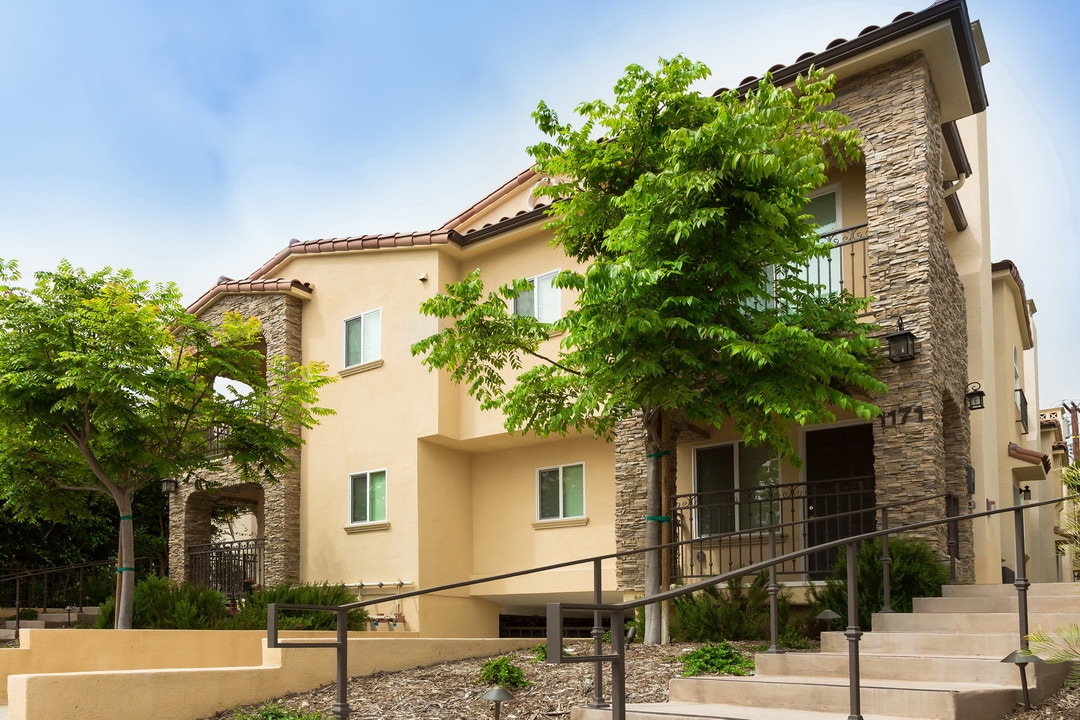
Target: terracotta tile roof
907, 23
1034, 457
356, 242
228, 286
522, 178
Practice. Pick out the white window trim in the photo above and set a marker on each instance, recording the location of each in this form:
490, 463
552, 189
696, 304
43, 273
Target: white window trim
365, 363
562, 521
534, 279
363, 525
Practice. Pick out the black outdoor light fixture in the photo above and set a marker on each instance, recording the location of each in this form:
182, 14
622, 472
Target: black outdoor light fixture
498, 695
901, 343
1022, 658
975, 397
169, 485
1025, 492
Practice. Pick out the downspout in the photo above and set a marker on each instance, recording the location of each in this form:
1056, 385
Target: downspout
956, 185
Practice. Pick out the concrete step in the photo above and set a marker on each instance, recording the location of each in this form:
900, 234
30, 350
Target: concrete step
913, 668
972, 622
713, 711
1009, 590
923, 700
992, 604
938, 644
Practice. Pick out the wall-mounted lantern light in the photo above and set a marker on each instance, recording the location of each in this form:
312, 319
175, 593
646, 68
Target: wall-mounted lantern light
901, 343
975, 397
169, 485
1025, 492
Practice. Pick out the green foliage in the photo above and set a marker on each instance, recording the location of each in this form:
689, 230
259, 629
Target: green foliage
916, 571
25, 614
160, 604
280, 712
107, 385
503, 672
737, 613
1060, 646
690, 218
251, 614
716, 659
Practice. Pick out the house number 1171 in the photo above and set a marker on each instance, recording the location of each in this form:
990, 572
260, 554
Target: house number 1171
902, 415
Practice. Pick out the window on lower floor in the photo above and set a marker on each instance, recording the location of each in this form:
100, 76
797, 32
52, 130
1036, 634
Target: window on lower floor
368, 497
561, 492
735, 487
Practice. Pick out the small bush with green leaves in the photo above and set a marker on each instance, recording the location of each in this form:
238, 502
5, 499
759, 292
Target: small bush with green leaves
251, 615
736, 613
716, 659
160, 604
916, 571
25, 614
280, 712
503, 672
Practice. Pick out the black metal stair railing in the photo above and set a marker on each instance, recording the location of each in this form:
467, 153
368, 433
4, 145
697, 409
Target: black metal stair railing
617, 613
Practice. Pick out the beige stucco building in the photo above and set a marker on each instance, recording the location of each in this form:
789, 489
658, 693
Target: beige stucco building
410, 485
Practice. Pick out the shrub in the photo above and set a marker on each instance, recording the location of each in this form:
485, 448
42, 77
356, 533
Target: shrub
916, 572
25, 614
251, 614
160, 604
503, 672
736, 613
280, 712
716, 659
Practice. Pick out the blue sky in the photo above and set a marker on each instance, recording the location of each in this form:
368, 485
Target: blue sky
188, 140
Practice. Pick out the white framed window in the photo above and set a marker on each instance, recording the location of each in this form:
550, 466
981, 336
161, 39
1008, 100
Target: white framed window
367, 497
560, 492
363, 338
735, 486
541, 300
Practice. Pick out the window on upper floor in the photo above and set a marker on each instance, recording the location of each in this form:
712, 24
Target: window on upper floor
561, 492
367, 502
734, 488
363, 338
541, 300
826, 272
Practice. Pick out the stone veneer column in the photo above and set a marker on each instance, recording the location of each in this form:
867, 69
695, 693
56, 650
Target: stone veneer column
912, 276
630, 508
279, 519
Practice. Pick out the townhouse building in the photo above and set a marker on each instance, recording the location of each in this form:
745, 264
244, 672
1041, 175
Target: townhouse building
410, 485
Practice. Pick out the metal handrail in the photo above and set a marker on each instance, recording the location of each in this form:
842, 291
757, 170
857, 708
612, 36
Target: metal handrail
617, 611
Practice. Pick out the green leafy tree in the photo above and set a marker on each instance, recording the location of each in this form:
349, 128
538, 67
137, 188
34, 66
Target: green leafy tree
687, 214
107, 385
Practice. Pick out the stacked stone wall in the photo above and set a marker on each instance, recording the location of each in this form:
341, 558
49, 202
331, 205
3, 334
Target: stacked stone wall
913, 278
279, 514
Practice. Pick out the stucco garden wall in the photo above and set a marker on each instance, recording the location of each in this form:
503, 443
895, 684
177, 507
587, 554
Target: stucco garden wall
180, 675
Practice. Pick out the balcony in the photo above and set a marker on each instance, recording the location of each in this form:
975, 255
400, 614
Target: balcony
846, 268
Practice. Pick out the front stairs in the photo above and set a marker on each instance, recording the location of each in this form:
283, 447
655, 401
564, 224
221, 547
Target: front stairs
941, 662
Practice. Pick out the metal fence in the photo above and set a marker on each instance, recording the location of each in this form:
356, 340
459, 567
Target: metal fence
231, 568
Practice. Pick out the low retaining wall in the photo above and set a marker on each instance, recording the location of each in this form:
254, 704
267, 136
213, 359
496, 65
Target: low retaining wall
182, 675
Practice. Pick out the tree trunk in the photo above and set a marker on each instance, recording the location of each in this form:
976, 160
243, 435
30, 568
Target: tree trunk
654, 464
125, 563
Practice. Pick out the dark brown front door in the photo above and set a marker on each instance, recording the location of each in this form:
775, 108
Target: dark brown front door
840, 482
